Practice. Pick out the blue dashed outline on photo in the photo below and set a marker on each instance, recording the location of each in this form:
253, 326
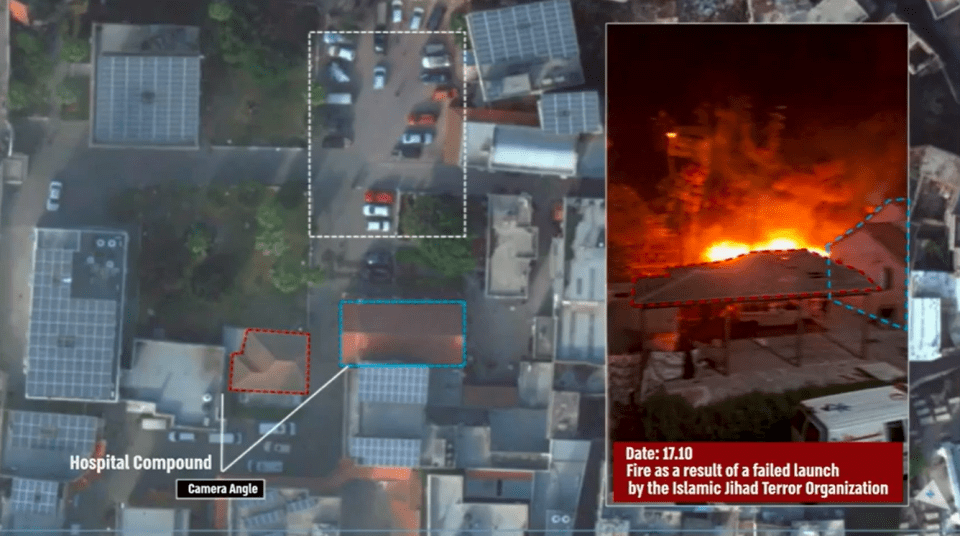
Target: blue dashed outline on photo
463, 317
906, 292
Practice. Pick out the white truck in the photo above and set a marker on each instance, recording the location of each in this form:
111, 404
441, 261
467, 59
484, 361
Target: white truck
876, 414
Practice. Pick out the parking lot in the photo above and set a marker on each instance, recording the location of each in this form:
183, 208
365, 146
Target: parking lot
376, 121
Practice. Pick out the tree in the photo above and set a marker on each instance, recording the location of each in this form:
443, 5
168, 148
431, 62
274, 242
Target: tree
288, 275
458, 24
67, 95
214, 276
318, 94
74, 50
449, 256
19, 96
220, 11
270, 239
291, 193
199, 241
250, 193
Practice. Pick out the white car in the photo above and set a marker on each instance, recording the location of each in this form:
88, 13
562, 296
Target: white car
416, 19
435, 62
379, 77
338, 74
343, 52
376, 211
178, 437
271, 466
287, 428
333, 38
411, 137
397, 11
53, 198
279, 448
382, 226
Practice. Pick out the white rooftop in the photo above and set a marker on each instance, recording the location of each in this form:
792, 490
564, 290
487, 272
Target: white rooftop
924, 329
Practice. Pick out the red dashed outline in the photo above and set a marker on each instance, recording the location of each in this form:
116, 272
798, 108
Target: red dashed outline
746, 299
270, 391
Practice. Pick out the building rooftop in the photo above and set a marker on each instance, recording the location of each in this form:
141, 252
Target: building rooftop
76, 315
491, 485
401, 385
530, 150
943, 8
519, 430
837, 11
35, 506
924, 330
146, 85
564, 415
412, 333
573, 112
286, 511
450, 515
182, 379
135, 521
891, 236
525, 49
271, 361
513, 245
386, 452
756, 276
40, 445
581, 327
490, 396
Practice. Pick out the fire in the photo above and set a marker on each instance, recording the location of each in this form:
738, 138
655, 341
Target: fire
728, 249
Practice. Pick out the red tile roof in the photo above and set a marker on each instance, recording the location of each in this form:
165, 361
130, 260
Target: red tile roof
414, 333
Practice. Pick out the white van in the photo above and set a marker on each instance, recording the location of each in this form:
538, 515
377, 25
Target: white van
877, 414
344, 99
227, 438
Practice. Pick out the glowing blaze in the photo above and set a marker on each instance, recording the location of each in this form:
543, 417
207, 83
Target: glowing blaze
728, 249
671, 134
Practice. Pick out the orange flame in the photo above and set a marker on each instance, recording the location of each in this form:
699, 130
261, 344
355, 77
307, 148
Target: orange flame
782, 240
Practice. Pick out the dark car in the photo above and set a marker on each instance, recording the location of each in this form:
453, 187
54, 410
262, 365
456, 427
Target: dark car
436, 17
408, 151
336, 142
435, 76
377, 267
380, 40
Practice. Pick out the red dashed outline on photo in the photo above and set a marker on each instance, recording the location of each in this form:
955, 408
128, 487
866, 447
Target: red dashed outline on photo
243, 345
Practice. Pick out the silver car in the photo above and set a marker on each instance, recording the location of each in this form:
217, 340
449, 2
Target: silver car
397, 11
416, 19
379, 77
53, 198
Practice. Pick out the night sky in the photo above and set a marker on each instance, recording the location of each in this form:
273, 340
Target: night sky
826, 75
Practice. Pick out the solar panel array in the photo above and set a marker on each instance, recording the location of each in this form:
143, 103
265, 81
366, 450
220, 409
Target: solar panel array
573, 112
147, 100
540, 30
386, 452
72, 345
399, 385
34, 496
58, 432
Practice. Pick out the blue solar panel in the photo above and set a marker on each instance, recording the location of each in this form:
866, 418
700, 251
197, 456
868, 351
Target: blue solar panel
147, 100
543, 30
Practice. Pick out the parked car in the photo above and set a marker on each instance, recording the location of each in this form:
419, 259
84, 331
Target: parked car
380, 197
279, 448
380, 40
416, 18
377, 267
435, 49
376, 211
435, 77
417, 137
335, 141
342, 51
333, 38
338, 73
422, 119
435, 62
274, 467
436, 17
407, 151
397, 16
182, 437
287, 428
378, 225
379, 77
443, 93
53, 198
227, 438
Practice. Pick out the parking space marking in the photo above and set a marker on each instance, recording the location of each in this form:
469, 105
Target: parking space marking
463, 134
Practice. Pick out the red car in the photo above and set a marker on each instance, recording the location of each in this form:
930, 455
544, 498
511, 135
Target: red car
422, 119
442, 93
378, 197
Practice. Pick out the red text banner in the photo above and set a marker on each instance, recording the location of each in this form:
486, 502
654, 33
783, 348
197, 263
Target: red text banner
753, 473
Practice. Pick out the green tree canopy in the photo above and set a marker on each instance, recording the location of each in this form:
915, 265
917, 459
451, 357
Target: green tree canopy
74, 50
288, 275
220, 11
67, 95
19, 97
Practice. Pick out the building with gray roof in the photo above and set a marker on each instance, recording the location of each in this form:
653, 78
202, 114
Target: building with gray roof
76, 316
520, 149
525, 49
40, 445
146, 86
34, 506
570, 112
